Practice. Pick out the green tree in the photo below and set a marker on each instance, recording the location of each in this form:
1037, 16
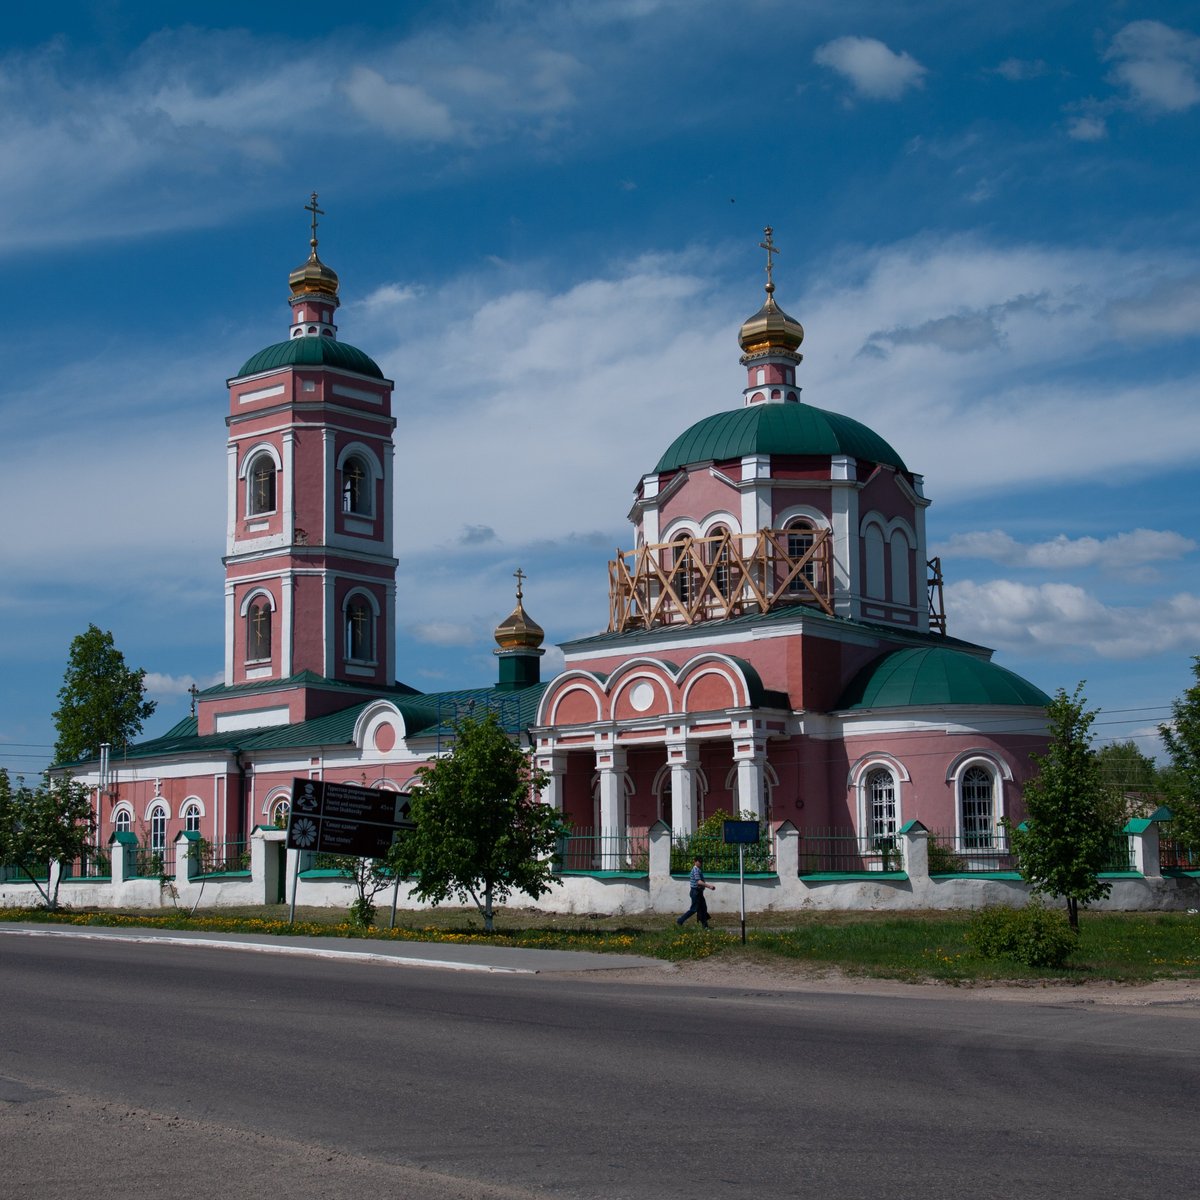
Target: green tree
1072, 816
1181, 736
43, 825
101, 699
1132, 775
480, 831
369, 876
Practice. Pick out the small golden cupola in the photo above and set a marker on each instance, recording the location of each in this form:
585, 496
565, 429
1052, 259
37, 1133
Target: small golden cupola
519, 638
314, 289
770, 331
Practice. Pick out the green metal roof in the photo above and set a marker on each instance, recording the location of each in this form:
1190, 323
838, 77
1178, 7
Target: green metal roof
311, 352
928, 676
794, 429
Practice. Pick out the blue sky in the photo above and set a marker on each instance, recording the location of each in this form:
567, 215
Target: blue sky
546, 221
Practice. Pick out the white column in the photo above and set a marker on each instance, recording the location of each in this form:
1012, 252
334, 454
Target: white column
846, 585
287, 623
750, 757
231, 630
610, 762
553, 763
684, 760
290, 488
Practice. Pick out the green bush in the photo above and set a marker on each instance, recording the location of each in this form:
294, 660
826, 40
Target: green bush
1034, 936
708, 842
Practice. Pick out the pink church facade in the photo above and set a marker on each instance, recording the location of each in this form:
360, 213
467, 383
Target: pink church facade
776, 643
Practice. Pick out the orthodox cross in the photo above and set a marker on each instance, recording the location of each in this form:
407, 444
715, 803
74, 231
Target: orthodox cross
520, 577
193, 691
770, 247
311, 207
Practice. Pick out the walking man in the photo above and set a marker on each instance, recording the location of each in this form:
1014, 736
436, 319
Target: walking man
698, 884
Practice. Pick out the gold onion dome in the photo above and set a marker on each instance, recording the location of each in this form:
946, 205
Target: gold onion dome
770, 328
314, 277
519, 631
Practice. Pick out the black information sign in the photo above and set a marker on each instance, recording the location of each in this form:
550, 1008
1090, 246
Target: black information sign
740, 831
341, 818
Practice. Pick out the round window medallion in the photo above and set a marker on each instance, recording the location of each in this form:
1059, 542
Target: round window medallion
642, 696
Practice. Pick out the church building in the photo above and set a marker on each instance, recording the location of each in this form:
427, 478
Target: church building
776, 644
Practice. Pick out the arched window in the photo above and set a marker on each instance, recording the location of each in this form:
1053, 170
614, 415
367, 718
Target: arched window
881, 805
718, 553
158, 829
800, 538
258, 631
873, 546
191, 818
260, 483
901, 568
682, 578
280, 811
122, 820
359, 631
977, 801
356, 486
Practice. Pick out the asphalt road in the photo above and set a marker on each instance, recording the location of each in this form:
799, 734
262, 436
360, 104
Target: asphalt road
134, 1070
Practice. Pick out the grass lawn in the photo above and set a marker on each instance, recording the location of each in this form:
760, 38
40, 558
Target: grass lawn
1121, 947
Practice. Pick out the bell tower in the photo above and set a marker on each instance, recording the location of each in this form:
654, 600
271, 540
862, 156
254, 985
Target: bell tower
310, 588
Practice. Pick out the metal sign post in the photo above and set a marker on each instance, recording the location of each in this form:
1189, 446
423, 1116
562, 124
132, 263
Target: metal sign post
743, 833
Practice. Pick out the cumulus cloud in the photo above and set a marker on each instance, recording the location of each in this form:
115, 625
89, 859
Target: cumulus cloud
1090, 128
1017, 70
1057, 620
174, 687
1156, 65
400, 109
875, 71
1135, 548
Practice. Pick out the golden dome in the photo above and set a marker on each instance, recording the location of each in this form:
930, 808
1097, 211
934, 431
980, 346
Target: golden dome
519, 631
770, 329
314, 278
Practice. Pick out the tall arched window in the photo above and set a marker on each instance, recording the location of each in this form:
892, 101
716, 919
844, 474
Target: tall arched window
683, 576
718, 553
280, 811
873, 549
258, 631
901, 568
978, 806
158, 829
356, 486
260, 484
881, 805
191, 818
360, 641
122, 820
800, 538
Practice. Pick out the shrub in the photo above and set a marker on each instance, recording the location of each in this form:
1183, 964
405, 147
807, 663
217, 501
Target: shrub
1034, 936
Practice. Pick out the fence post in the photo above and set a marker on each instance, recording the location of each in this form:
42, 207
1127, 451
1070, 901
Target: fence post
1143, 833
123, 846
187, 854
265, 864
787, 852
914, 838
660, 850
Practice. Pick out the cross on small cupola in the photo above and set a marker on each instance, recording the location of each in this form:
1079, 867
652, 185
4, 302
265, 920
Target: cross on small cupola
768, 245
314, 286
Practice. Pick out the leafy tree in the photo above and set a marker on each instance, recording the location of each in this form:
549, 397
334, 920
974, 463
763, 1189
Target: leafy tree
369, 875
1068, 839
101, 699
1132, 776
1181, 736
480, 831
42, 825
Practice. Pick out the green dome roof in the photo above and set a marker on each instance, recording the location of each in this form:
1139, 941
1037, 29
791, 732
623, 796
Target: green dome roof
934, 675
797, 429
311, 352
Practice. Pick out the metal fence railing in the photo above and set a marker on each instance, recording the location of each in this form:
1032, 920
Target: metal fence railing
148, 863
1174, 855
583, 851
1120, 855
841, 851
94, 863
18, 874
968, 854
223, 858
720, 859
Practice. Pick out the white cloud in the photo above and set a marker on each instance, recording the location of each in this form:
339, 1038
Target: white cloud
1017, 70
1167, 308
875, 71
1135, 548
1157, 65
1087, 128
400, 109
1058, 620
170, 687
446, 633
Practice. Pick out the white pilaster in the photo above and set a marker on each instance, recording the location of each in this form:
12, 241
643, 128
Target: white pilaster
287, 605
610, 763
553, 763
291, 485
843, 474
230, 631
684, 760
750, 757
